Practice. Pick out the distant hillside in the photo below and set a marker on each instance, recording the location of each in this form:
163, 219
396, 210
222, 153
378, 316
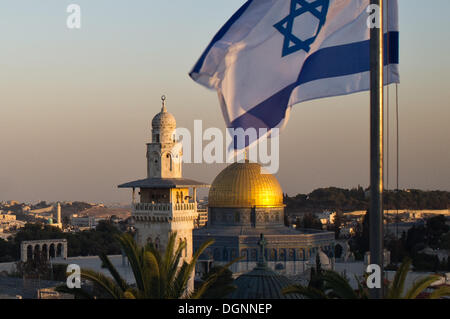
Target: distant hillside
347, 200
68, 209
102, 212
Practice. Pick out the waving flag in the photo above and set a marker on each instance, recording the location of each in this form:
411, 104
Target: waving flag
273, 54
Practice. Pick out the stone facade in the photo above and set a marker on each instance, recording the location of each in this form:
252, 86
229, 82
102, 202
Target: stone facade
167, 202
52, 248
164, 153
244, 204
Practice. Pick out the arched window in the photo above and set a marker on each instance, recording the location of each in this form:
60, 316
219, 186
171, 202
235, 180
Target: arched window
244, 253
180, 242
37, 251
254, 255
233, 253
292, 254
225, 255
157, 243
52, 251
273, 254
59, 249
168, 156
45, 250
29, 252
282, 254
216, 254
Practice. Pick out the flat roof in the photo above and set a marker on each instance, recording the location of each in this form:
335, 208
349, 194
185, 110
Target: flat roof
163, 183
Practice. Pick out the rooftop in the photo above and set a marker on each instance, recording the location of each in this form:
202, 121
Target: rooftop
163, 183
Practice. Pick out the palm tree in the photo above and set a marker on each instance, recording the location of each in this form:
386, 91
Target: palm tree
334, 286
337, 287
396, 288
157, 276
222, 287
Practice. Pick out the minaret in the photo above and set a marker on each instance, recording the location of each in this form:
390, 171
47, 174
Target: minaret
164, 152
58, 209
167, 200
58, 222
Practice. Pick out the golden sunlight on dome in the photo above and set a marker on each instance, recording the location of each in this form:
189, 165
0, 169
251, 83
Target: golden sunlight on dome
245, 185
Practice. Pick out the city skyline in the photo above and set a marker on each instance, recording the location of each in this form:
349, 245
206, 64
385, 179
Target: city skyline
76, 105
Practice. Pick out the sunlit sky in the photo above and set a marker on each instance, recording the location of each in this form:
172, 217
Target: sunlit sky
76, 105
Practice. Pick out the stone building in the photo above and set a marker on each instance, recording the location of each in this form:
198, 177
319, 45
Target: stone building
262, 282
51, 248
167, 202
245, 202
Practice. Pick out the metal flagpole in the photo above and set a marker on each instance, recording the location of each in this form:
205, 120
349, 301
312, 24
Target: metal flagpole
376, 147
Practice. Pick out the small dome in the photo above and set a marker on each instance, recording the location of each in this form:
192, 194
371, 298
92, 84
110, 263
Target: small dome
245, 185
164, 119
262, 283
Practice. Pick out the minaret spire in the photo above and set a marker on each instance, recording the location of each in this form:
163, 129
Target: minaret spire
163, 99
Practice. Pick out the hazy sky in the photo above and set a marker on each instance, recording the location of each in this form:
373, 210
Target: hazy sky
76, 105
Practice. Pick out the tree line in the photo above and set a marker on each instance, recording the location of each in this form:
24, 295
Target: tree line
93, 242
433, 233
345, 200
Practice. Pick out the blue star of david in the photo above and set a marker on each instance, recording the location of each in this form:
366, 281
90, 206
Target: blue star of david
318, 8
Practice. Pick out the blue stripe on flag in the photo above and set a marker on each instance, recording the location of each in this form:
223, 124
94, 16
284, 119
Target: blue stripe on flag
326, 63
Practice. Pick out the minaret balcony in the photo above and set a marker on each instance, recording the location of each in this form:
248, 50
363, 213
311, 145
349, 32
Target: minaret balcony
166, 211
152, 207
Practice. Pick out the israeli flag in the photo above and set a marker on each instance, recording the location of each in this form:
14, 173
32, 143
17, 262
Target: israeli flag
273, 54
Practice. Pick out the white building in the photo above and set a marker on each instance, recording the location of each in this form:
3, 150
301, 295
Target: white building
326, 217
87, 222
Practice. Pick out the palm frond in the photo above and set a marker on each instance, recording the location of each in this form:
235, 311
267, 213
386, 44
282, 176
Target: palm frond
397, 286
362, 291
152, 275
197, 294
135, 256
174, 260
440, 292
129, 295
180, 282
113, 271
339, 286
420, 286
104, 283
78, 293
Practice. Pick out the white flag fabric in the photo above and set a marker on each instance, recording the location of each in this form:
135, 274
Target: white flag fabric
273, 54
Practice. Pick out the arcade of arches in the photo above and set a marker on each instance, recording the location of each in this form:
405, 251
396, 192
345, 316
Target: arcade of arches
51, 248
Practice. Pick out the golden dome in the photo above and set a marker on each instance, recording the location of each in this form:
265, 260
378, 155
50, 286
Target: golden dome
245, 185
